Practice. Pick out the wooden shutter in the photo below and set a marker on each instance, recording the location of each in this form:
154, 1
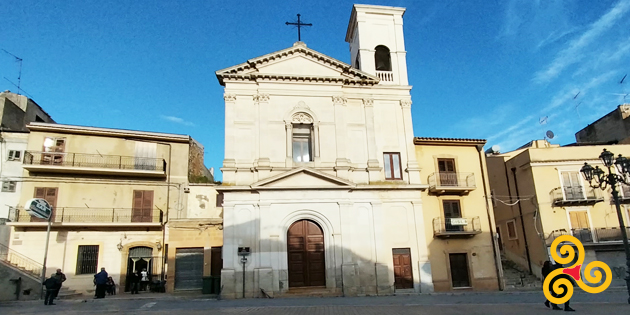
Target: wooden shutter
142, 206
147, 205
49, 194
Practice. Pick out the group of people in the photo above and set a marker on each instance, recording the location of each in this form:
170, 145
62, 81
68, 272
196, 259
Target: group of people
547, 268
53, 285
139, 281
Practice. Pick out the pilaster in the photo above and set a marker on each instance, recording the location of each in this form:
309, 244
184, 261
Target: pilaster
261, 100
424, 265
288, 126
413, 169
373, 168
230, 104
342, 164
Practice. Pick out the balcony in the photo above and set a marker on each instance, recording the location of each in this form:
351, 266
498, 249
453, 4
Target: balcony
601, 235
451, 183
456, 227
72, 216
575, 196
385, 76
94, 164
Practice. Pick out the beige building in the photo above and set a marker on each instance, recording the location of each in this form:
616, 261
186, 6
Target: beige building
113, 192
458, 216
539, 194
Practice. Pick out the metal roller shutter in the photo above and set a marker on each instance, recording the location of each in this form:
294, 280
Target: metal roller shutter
189, 268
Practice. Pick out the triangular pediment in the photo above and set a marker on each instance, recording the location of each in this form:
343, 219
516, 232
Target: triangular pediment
296, 63
305, 178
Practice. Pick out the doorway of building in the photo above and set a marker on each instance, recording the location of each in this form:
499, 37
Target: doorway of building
140, 258
459, 270
403, 276
305, 249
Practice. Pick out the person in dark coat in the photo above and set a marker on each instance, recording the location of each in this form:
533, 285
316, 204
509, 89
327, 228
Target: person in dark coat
111, 286
51, 285
547, 268
61, 278
100, 279
135, 282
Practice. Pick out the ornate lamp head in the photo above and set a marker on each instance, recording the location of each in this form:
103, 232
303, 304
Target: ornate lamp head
607, 157
623, 165
588, 172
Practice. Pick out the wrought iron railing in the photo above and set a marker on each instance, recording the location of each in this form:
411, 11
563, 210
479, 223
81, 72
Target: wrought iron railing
385, 75
95, 215
67, 159
20, 261
575, 194
596, 235
456, 225
452, 179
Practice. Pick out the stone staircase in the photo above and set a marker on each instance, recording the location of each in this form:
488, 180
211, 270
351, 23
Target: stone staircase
67, 294
310, 292
20, 262
517, 279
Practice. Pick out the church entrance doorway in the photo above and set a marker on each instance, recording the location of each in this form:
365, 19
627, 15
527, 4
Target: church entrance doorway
305, 247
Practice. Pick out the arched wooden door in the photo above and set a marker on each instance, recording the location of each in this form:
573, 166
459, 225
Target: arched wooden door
305, 247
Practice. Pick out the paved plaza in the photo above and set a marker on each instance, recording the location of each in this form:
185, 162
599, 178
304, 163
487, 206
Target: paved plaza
529, 303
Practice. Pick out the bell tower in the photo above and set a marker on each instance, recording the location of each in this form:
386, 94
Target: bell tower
377, 42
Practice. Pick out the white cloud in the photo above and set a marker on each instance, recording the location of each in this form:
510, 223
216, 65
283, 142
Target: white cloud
574, 50
177, 120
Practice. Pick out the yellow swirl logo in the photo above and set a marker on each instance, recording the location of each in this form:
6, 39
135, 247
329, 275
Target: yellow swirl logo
559, 280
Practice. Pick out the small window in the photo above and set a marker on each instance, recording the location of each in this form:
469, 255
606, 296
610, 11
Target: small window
87, 259
15, 155
219, 200
8, 186
39, 119
302, 143
511, 229
392, 165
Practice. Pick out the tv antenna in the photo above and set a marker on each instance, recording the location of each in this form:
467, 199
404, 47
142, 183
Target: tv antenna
18, 60
549, 135
543, 120
624, 77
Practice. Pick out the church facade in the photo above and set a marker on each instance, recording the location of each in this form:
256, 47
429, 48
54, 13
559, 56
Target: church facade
322, 188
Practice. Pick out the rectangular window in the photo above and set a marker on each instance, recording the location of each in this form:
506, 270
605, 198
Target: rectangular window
392, 165
219, 203
572, 186
511, 229
446, 170
302, 143
54, 149
15, 155
8, 186
452, 210
87, 259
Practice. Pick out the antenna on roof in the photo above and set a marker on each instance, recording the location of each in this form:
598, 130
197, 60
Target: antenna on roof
19, 60
624, 77
549, 135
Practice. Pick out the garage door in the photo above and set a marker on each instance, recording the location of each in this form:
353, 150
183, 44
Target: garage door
189, 268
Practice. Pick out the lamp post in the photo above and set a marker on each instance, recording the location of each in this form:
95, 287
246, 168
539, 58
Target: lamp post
597, 178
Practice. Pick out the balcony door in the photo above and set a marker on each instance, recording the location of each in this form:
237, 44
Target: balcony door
53, 151
49, 194
142, 206
572, 186
580, 225
447, 172
452, 210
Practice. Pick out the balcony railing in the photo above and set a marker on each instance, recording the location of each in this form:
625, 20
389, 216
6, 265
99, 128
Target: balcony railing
55, 161
597, 235
20, 261
454, 227
443, 182
387, 76
70, 215
575, 195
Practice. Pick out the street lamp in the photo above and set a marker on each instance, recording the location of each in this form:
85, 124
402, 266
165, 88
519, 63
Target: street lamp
597, 178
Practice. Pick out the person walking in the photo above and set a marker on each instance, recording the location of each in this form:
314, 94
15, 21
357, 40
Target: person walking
51, 286
61, 278
547, 268
100, 279
135, 282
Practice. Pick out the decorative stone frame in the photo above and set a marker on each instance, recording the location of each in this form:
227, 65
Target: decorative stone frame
301, 114
124, 259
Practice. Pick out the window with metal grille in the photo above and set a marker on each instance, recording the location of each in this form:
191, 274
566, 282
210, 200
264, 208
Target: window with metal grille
87, 259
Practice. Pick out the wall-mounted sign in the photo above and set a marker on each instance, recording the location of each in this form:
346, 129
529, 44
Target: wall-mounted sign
243, 251
39, 208
459, 221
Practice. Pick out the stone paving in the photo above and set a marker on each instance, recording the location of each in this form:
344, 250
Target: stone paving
529, 303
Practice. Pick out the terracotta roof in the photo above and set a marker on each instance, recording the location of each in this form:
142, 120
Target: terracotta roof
435, 139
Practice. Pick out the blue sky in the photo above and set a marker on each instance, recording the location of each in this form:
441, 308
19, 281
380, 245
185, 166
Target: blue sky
479, 69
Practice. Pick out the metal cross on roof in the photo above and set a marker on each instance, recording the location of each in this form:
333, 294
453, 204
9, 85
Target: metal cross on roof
299, 24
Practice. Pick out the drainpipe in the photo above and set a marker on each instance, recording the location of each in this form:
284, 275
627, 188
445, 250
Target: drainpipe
520, 210
497, 258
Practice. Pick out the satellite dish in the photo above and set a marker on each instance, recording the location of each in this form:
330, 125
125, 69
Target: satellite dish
549, 134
